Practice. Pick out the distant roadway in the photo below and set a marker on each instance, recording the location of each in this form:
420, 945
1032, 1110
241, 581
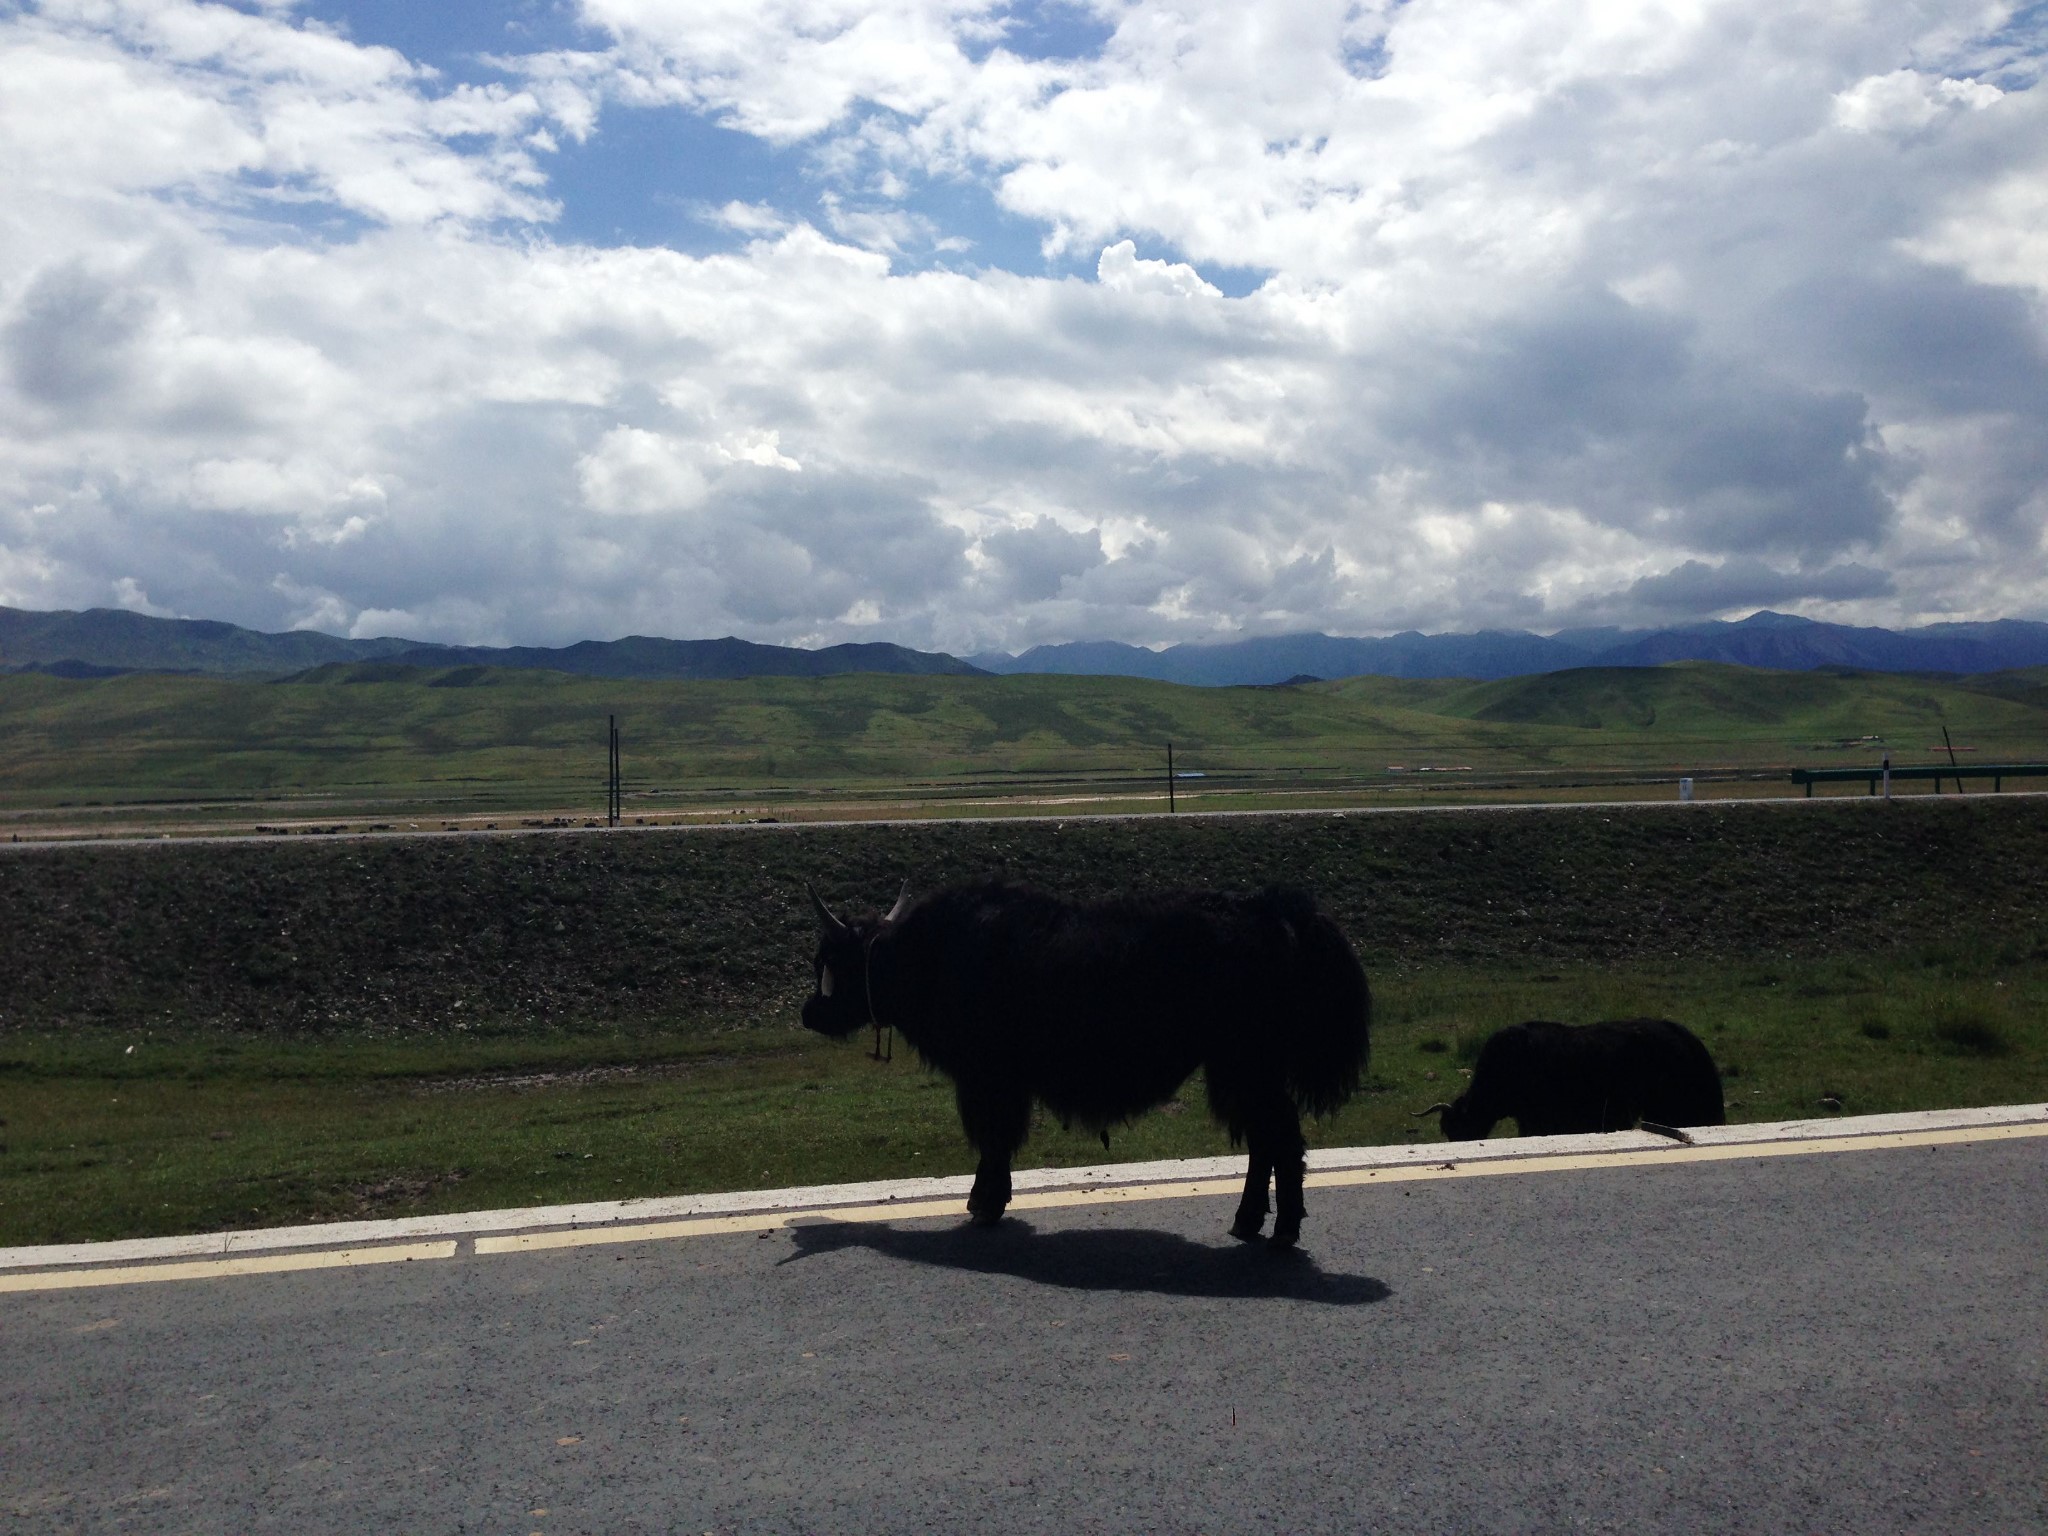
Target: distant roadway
774, 824
1850, 1341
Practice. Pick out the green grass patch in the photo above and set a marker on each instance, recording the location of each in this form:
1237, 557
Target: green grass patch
1973, 1028
107, 1136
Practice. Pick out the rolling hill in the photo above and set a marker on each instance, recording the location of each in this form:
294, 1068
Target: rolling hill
382, 729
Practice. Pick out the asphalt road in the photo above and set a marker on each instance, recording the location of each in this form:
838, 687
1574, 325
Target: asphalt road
1850, 1342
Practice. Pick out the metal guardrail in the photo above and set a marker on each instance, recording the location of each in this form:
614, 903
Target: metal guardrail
1997, 773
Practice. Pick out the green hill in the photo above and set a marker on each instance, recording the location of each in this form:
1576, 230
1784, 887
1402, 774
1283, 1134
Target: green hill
1707, 701
372, 729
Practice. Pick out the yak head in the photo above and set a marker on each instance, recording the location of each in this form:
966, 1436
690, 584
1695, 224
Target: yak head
839, 1002
1462, 1120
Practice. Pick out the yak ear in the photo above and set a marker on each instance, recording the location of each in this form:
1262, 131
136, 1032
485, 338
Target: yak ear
1434, 1109
902, 904
827, 923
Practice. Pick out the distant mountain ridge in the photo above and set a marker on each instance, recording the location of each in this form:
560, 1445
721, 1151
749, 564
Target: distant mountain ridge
103, 641
1779, 641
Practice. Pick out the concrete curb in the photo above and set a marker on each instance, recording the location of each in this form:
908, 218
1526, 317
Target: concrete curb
625, 1214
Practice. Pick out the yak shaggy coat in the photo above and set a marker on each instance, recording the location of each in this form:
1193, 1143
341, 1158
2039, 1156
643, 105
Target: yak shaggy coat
1556, 1079
1101, 1012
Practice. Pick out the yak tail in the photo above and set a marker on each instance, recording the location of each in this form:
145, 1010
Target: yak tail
1327, 1019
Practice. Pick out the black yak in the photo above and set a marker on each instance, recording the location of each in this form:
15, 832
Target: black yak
1100, 1012
1554, 1079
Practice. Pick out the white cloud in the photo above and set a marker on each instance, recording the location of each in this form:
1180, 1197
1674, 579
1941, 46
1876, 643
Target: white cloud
128, 594
452, 621
166, 95
637, 473
750, 218
788, 69
1569, 312
1905, 100
763, 449
312, 607
27, 579
1120, 267
877, 229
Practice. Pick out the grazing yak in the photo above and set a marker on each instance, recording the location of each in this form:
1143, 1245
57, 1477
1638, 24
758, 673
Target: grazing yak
1552, 1079
1100, 1012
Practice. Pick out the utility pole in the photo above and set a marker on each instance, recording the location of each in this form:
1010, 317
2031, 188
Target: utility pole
613, 799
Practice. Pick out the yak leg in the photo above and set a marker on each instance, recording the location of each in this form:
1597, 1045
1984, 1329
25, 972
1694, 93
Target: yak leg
1278, 1153
1289, 1152
996, 1123
990, 1196
1252, 1208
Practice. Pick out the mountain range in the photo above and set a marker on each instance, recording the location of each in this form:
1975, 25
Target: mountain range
102, 642
1779, 641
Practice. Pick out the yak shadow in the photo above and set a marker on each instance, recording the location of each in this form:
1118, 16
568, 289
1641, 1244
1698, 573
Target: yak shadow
1098, 1260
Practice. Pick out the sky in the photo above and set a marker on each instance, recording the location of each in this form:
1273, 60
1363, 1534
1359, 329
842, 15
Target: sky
974, 325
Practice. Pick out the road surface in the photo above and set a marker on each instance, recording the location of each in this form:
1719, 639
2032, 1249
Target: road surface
1843, 1342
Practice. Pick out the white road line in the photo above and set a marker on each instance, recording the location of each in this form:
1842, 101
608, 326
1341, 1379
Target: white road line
631, 1221
1068, 1199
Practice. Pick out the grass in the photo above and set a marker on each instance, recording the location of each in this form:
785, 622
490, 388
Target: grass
195, 1037
210, 1132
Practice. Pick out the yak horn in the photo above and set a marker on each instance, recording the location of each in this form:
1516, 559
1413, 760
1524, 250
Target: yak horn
1434, 1109
902, 904
826, 921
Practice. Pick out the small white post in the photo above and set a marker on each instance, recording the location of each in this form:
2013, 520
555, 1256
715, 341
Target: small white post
1685, 789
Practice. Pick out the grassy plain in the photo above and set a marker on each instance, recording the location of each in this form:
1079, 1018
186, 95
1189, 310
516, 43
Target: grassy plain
395, 746
204, 1036
201, 1135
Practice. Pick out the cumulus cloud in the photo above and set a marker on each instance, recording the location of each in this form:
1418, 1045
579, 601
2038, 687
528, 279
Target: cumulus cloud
1905, 100
787, 70
636, 472
1561, 312
1035, 561
312, 607
129, 594
208, 99
1120, 267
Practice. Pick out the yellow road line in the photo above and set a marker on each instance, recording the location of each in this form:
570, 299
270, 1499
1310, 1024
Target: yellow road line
1450, 1168
1036, 1200
900, 1210
212, 1269
1068, 1199
710, 1226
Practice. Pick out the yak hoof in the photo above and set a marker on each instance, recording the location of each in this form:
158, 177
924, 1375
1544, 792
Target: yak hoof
1284, 1237
984, 1218
1247, 1228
